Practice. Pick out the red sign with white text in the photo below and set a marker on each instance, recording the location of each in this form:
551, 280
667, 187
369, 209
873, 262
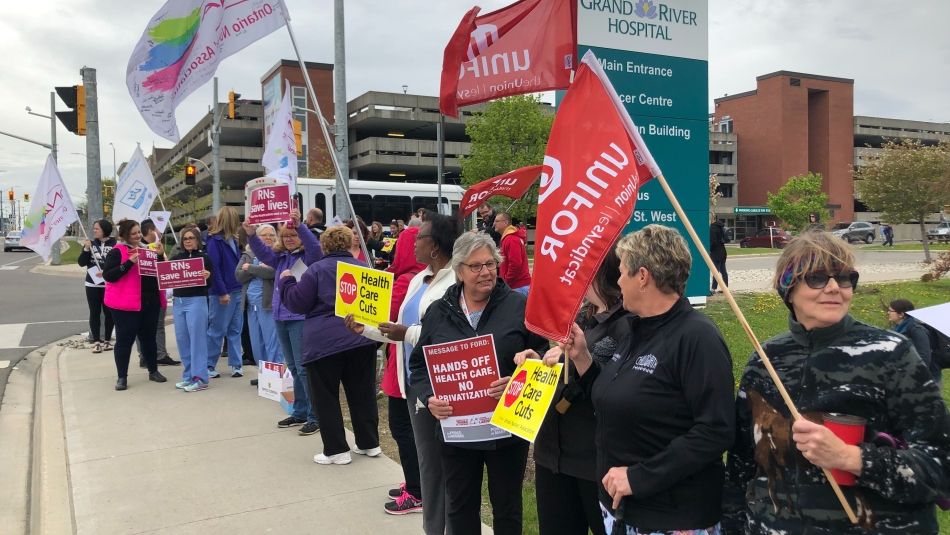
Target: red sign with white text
527, 47
269, 204
512, 184
460, 373
594, 165
183, 273
147, 260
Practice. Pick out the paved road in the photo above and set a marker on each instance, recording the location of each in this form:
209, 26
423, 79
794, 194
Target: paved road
35, 310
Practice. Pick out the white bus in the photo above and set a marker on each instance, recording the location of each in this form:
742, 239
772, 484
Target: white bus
377, 201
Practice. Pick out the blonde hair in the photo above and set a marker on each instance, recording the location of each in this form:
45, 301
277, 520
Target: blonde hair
226, 222
336, 239
285, 231
661, 251
809, 252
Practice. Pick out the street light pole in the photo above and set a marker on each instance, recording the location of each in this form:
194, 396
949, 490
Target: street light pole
54, 258
115, 174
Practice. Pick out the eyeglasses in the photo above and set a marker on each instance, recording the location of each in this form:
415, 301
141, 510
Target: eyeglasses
189, 238
477, 268
420, 236
819, 279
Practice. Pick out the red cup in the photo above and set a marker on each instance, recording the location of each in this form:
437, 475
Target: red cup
850, 429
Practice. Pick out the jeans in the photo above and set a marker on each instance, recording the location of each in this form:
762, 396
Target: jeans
225, 321
290, 334
128, 326
263, 331
721, 267
191, 318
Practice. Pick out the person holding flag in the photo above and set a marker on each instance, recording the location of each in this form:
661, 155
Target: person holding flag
93, 257
663, 402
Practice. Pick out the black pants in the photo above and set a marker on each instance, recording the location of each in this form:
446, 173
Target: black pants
463, 487
355, 369
94, 297
567, 505
721, 266
128, 326
401, 428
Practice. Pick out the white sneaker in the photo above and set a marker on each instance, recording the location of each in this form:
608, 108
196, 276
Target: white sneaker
339, 458
372, 452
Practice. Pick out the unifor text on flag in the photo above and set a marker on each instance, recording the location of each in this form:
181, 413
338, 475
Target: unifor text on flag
182, 46
593, 168
512, 184
527, 47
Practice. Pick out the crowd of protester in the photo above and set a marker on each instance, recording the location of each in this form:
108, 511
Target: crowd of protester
648, 435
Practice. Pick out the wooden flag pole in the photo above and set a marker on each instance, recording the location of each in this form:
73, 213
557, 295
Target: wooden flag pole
748, 330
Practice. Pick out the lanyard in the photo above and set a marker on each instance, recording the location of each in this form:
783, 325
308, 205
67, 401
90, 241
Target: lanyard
468, 315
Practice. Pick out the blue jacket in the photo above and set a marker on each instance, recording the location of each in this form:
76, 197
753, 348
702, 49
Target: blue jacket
324, 334
224, 260
310, 253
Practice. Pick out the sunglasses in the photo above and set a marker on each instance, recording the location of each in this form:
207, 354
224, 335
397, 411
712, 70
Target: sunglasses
819, 279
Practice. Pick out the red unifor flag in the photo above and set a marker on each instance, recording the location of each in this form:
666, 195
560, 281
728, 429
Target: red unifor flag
512, 184
595, 163
526, 47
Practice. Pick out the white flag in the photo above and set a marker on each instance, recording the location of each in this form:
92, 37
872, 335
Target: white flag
51, 212
280, 155
136, 190
160, 219
182, 47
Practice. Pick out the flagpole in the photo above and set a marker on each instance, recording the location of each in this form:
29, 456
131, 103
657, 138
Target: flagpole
326, 134
748, 330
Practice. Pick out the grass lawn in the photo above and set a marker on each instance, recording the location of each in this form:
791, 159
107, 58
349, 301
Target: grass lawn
768, 317
72, 255
910, 246
740, 251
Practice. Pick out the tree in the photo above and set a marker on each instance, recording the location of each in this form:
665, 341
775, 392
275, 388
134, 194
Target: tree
907, 181
798, 198
510, 133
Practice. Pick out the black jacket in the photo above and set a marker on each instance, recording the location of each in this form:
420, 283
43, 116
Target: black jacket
665, 411
565, 443
445, 321
717, 241
192, 291
487, 225
96, 257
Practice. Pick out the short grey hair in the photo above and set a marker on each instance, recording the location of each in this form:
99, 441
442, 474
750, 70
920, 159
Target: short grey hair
265, 226
662, 251
414, 221
468, 243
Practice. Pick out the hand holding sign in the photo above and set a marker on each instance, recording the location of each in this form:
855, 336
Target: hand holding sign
497, 387
353, 325
286, 273
393, 331
439, 408
134, 257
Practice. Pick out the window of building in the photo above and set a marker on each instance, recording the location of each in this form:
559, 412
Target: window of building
426, 202
725, 190
320, 201
299, 98
302, 161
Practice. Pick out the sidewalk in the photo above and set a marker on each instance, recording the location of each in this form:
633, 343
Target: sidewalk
154, 459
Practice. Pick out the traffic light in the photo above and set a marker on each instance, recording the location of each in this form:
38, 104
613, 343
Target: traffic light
232, 97
190, 172
26, 197
298, 136
75, 119
10, 195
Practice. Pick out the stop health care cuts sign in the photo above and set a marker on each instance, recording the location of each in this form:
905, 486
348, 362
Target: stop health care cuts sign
460, 373
366, 293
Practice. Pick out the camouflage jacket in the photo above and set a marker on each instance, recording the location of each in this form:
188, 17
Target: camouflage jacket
848, 368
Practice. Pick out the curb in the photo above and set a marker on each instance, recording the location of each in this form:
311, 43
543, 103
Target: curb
35, 497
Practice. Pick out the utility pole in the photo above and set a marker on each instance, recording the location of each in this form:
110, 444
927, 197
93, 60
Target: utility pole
440, 166
339, 105
93, 164
215, 153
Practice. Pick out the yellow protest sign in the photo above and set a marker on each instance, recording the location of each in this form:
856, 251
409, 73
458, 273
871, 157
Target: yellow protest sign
527, 398
366, 293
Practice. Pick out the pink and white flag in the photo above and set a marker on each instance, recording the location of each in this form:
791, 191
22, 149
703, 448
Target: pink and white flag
51, 212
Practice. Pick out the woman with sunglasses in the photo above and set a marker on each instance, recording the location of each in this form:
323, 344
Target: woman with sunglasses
190, 312
837, 370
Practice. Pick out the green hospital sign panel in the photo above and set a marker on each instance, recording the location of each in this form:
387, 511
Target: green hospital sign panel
752, 210
656, 56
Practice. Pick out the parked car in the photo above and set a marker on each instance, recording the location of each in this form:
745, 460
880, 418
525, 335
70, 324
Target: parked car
767, 237
12, 241
855, 231
940, 233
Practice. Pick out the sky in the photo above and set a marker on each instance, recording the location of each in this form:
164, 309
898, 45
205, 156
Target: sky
898, 54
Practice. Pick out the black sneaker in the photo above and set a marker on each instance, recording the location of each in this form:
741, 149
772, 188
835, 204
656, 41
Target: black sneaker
122, 383
168, 361
309, 428
403, 505
395, 493
290, 421
253, 382
156, 376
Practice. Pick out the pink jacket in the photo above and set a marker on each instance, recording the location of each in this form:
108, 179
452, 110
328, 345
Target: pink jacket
126, 293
